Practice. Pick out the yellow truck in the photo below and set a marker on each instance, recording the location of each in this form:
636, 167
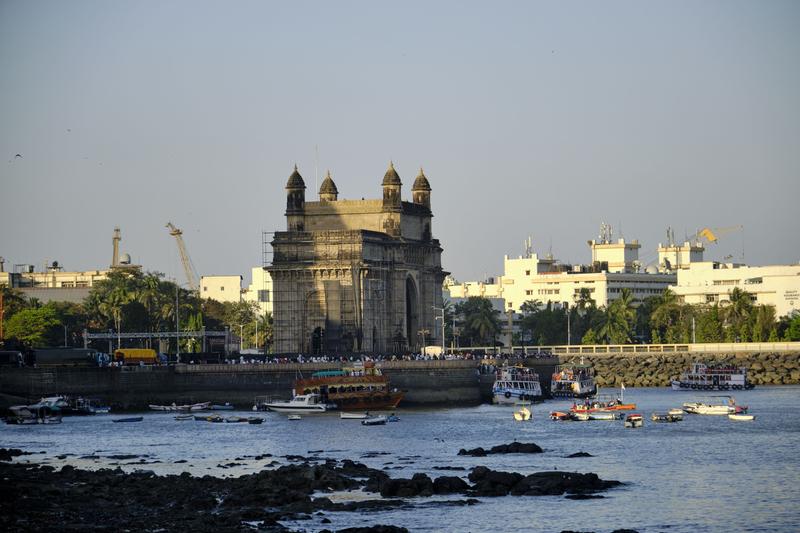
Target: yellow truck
135, 356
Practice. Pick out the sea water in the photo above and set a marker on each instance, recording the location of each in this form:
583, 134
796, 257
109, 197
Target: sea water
704, 474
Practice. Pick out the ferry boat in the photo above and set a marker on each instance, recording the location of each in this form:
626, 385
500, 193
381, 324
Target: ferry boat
573, 380
514, 384
361, 387
703, 376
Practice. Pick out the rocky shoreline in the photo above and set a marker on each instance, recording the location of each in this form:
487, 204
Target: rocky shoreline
658, 370
41, 498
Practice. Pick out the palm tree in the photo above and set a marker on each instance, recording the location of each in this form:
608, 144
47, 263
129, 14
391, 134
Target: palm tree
737, 313
617, 321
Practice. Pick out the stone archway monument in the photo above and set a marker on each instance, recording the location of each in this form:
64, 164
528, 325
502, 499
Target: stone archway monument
367, 273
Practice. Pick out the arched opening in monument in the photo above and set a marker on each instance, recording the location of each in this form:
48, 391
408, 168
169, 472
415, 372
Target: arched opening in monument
412, 318
316, 341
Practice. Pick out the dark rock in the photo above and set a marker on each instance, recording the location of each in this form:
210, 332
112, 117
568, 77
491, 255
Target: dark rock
449, 485
325, 521
179, 461
373, 529
624, 531
447, 467
6, 454
514, 447
418, 485
580, 454
584, 496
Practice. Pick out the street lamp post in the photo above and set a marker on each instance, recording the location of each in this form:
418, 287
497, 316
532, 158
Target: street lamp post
423, 332
241, 334
65, 335
442, 319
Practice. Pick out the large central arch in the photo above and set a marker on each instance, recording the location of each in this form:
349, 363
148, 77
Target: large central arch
412, 312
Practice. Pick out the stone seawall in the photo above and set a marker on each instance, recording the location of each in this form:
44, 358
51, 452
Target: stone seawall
425, 383
657, 370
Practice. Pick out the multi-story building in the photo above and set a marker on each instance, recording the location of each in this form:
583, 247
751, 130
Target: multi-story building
221, 288
711, 282
260, 290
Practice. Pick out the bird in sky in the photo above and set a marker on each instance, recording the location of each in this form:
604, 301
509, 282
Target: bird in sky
18, 156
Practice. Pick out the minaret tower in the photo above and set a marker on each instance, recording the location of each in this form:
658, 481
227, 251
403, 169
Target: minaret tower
421, 191
295, 201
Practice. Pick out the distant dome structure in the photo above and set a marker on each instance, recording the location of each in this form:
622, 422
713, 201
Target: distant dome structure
391, 177
328, 190
295, 180
125, 259
421, 190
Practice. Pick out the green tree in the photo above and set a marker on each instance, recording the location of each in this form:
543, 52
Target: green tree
764, 322
616, 324
737, 315
792, 332
709, 325
481, 321
34, 327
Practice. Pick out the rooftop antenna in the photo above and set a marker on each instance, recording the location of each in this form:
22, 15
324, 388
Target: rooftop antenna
316, 167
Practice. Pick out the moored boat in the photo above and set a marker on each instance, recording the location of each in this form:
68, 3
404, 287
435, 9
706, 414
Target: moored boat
573, 380
728, 407
221, 407
353, 416
184, 417
523, 415
304, 403
559, 415
203, 406
128, 419
514, 384
254, 420
741, 417
33, 414
714, 376
377, 420
634, 420
358, 388
579, 417
236, 419
666, 417
294, 417
603, 415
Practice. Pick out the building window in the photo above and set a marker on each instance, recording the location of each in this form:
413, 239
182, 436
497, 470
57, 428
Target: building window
205, 289
263, 296
222, 288
527, 272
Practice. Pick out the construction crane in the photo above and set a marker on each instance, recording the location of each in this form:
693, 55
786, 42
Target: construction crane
188, 267
712, 235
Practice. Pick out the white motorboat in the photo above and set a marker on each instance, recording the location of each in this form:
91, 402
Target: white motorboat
523, 415
303, 403
378, 420
729, 407
353, 416
182, 408
634, 420
603, 415
294, 417
742, 417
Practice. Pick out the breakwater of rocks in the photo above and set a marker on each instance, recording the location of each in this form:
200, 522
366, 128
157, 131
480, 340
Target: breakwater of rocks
657, 370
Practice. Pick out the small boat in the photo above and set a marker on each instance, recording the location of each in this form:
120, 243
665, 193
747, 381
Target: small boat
676, 412
729, 407
516, 383
634, 420
666, 417
188, 407
254, 420
374, 421
603, 415
184, 417
579, 417
741, 417
304, 403
558, 415
33, 414
221, 407
129, 419
523, 415
216, 419
235, 419
393, 418
200, 418
294, 417
354, 416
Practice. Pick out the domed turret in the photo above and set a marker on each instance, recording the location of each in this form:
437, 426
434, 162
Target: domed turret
295, 201
328, 191
421, 191
391, 189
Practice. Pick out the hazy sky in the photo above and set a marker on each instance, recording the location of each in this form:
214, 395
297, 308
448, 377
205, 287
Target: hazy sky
540, 119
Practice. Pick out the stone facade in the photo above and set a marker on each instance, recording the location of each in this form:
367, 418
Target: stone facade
356, 275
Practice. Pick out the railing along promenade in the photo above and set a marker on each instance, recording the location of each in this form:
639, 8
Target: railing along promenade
599, 349
313, 367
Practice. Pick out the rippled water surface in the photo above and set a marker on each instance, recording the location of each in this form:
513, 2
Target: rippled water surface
705, 474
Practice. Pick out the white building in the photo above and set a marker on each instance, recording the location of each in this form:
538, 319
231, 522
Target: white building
260, 290
530, 277
221, 288
711, 282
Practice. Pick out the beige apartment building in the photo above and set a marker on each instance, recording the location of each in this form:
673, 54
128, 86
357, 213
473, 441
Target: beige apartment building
530, 278
221, 288
711, 282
